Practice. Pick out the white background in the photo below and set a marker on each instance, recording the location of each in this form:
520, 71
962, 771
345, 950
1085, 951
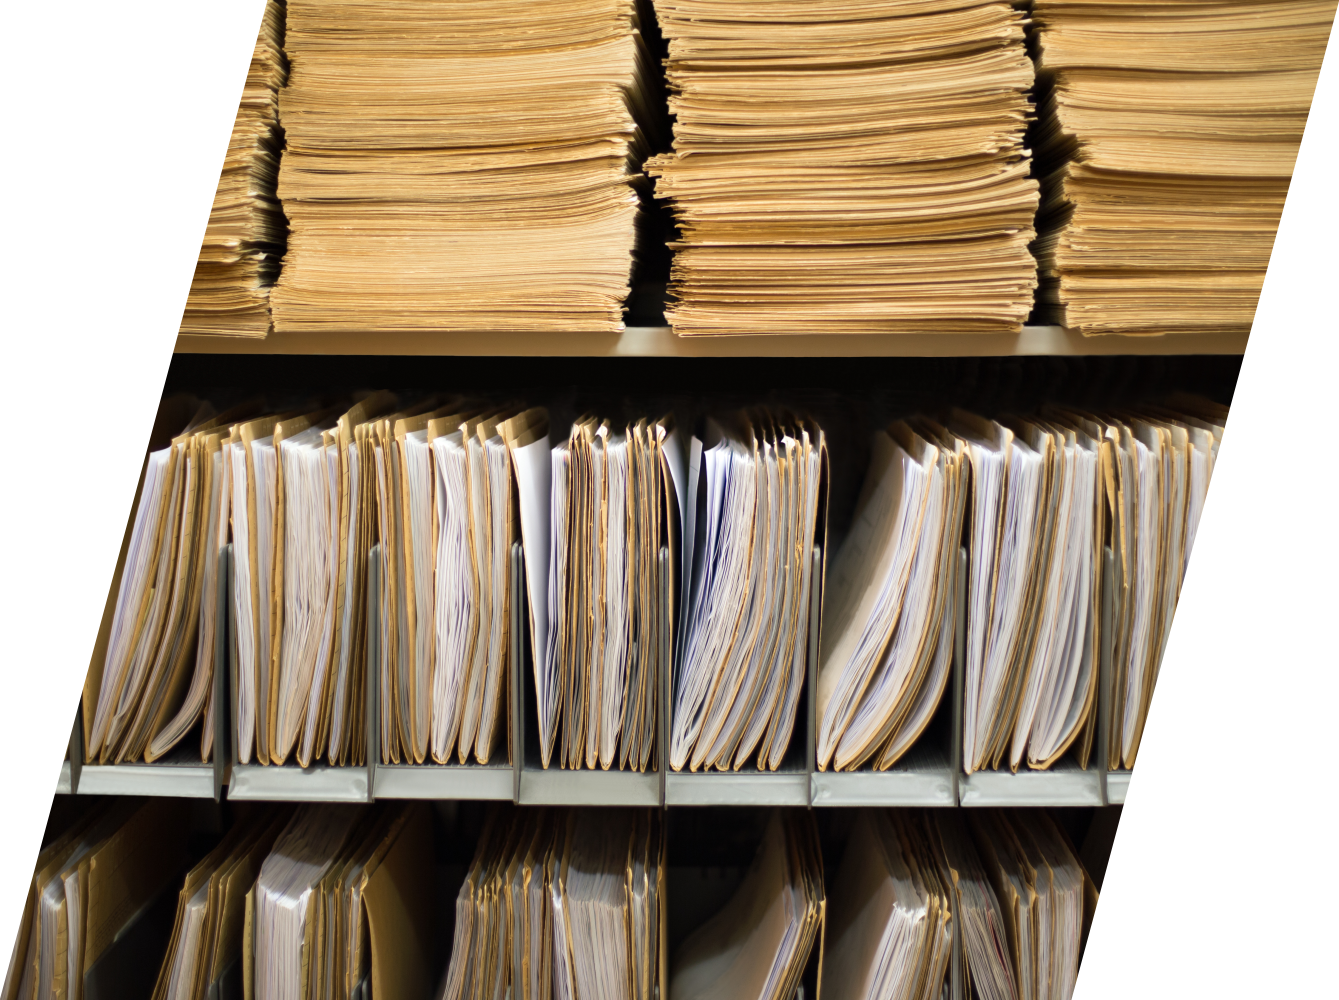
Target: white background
117, 115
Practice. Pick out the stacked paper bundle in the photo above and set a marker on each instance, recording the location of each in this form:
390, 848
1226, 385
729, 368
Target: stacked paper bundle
461, 166
1168, 137
849, 167
244, 239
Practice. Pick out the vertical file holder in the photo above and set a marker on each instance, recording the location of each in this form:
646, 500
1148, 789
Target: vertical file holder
1115, 782
556, 786
1063, 784
181, 774
431, 780
789, 785
926, 776
285, 782
68, 782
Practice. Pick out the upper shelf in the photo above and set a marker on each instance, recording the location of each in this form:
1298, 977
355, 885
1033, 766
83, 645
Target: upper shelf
659, 341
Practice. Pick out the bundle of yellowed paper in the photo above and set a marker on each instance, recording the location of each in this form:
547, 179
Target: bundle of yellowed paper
244, 239
1169, 132
854, 166
462, 166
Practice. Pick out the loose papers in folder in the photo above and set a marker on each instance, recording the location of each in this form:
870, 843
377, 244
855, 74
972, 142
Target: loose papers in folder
759, 483
617, 493
150, 678
90, 884
342, 903
756, 948
562, 904
887, 645
851, 167
455, 485
1035, 525
890, 917
211, 909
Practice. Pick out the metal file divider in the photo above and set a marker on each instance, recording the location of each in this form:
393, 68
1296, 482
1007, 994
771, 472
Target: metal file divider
429, 780
790, 784
926, 776
1114, 783
1063, 784
285, 782
556, 786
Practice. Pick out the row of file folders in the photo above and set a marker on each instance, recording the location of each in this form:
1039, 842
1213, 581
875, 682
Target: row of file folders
447, 582
326, 901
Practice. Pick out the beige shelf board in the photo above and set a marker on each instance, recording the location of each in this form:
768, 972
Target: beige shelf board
660, 342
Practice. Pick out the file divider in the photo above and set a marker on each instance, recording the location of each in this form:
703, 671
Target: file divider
927, 775
429, 780
1115, 782
791, 783
557, 786
287, 782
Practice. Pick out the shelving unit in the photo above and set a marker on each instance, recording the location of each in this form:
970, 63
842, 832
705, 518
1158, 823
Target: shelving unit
660, 342
928, 776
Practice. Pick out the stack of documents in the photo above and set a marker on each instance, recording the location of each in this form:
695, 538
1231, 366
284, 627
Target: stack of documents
887, 647
462, 166
856, 167
343, 904
1156, 466
1045, 896
563, 904
757, 947
617, 497
452, 486
90, 884
890, 930
1167, 141
244, 240
758, 484
211, 909
150, 679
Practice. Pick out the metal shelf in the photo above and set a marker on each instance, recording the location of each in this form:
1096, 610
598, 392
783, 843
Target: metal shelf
443, 781
1065, 784
660, 341
1118, 783
737, 788
180, 780
561, 787
924, 778
289, 783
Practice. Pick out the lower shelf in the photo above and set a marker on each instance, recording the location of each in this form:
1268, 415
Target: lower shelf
923, 779
737, 788
289, 783
1065, 784
443, 781
560, 787
1118, 782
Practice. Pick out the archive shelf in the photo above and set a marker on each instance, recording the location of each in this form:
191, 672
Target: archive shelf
660, 341
930, 775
